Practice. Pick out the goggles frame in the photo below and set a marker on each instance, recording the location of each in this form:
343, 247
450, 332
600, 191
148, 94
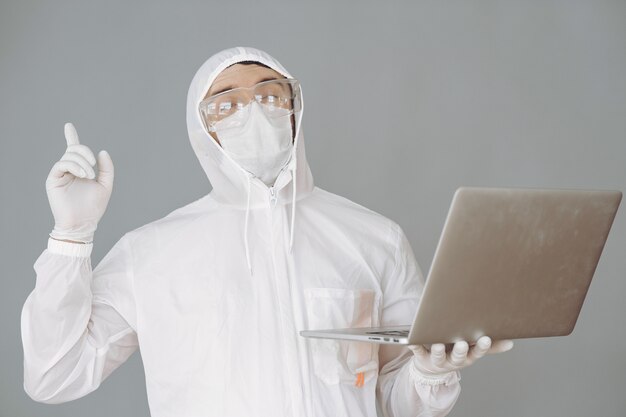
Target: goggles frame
209, 116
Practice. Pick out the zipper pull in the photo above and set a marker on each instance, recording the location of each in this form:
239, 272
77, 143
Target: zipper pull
273, 197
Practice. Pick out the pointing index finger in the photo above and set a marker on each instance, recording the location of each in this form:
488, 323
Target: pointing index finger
71, 136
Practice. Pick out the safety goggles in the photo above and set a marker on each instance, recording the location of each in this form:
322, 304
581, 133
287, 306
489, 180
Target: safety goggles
278, 98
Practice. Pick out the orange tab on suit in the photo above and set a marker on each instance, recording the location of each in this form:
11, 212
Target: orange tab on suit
360, 379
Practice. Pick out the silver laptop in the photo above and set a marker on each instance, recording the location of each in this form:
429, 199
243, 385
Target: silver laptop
511, 263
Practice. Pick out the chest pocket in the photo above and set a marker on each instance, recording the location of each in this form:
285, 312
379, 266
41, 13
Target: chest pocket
342, 361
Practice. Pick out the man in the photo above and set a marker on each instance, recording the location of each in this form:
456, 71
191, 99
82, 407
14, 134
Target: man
216, 292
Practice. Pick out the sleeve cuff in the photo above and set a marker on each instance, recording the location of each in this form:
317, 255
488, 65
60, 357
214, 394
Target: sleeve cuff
69, 249
446, 379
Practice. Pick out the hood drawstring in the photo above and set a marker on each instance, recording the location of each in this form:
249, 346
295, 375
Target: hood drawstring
294, 177
245, 235
293, 204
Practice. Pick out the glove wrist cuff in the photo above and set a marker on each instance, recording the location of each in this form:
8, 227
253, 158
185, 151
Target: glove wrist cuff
85, 237
69, 248
447, 378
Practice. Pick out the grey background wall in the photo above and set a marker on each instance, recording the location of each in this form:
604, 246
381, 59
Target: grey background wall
405, 101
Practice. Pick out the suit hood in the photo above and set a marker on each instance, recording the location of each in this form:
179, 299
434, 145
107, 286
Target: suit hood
228, 179
231, 184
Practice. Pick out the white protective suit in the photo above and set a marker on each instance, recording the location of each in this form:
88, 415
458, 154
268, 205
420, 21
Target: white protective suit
216, 292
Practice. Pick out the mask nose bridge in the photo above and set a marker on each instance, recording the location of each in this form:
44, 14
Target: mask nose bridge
257, 109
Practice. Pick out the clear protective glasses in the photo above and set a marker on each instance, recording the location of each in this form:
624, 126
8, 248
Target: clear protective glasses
278, 98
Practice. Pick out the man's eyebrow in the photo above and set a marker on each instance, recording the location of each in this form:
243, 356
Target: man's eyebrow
230, 87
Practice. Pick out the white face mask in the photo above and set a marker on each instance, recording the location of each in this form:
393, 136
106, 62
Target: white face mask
260, 146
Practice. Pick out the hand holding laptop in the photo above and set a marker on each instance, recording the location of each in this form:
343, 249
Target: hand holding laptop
436, 361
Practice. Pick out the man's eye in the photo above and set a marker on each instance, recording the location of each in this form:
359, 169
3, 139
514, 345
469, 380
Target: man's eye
225, 106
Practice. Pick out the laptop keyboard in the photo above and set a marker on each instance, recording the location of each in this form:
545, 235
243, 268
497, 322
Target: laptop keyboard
391, 333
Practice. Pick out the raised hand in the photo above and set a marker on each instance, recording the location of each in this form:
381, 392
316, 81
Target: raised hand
78, 198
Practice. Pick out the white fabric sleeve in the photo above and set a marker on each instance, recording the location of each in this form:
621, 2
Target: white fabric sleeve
401, 390
75, 322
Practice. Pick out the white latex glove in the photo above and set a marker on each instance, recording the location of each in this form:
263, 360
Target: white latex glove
436, 362
77, 198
